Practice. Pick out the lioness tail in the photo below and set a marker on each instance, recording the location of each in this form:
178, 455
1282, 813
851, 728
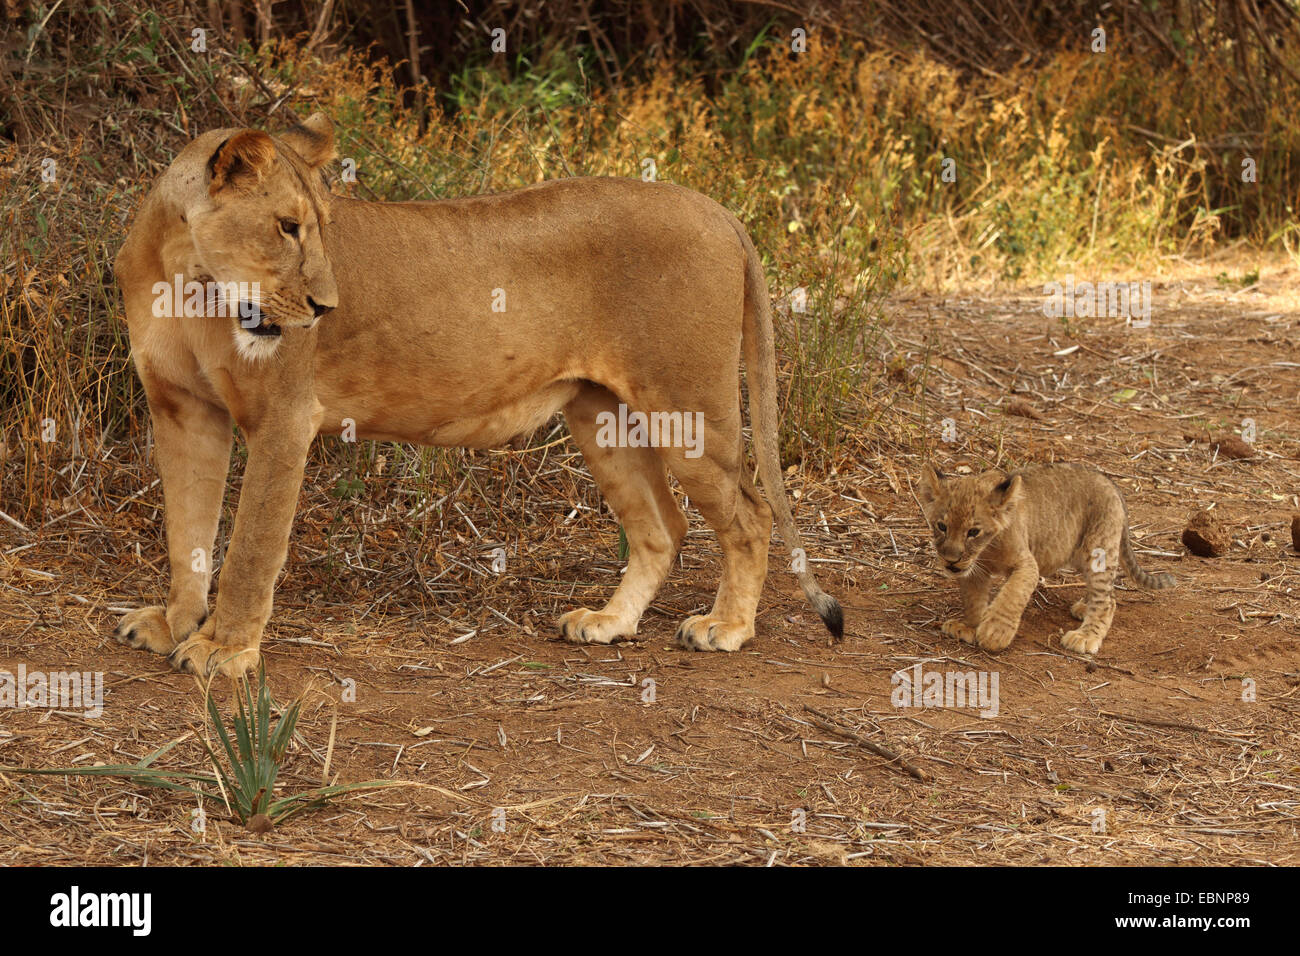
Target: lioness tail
760, 366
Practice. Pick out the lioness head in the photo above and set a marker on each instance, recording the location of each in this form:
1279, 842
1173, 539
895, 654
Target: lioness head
259, 227
966, 513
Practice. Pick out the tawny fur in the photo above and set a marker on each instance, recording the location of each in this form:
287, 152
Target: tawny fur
1023, 526
614, 291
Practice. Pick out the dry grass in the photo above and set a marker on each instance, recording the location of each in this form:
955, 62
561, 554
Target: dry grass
834, 158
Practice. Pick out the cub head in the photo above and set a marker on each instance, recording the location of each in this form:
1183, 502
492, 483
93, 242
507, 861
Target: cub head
257, 231
966, 513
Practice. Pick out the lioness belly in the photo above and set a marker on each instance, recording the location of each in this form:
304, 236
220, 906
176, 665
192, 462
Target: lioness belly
498, 427
441, 423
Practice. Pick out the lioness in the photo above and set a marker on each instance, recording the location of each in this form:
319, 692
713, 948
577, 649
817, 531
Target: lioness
455, 323
1025, 525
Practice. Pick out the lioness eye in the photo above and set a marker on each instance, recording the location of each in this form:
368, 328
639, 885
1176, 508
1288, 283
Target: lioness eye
941, 526
973, 533
289, 227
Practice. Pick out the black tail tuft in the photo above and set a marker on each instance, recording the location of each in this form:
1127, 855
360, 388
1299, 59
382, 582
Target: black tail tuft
831, 614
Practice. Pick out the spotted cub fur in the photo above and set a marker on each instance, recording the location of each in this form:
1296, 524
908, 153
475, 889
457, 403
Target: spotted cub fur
1022, 526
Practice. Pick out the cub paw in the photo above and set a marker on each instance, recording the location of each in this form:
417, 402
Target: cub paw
593, 627
206, 658
1082, 641
1078, 609
146, 629
959, 629
995, 635
703, 632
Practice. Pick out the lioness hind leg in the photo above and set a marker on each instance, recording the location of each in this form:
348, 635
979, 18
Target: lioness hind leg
634, 482
744, 538
726, 497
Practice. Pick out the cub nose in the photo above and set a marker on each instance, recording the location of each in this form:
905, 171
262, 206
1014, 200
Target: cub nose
317, 308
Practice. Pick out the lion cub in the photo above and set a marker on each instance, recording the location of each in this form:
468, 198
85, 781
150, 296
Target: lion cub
1022, 526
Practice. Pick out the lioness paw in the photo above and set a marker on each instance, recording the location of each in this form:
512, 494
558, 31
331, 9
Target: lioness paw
704, 632
146, 629
593, 627
1082, 641
204, 657
959, 629
1078, 609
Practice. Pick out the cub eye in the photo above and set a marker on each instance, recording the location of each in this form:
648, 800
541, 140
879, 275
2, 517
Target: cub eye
941, 526
289, 227
973, 533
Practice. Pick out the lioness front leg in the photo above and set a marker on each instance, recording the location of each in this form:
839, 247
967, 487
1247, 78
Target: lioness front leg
1001, 620
228, 642
192, 451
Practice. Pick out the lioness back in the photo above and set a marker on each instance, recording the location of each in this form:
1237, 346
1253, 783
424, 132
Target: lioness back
597, 280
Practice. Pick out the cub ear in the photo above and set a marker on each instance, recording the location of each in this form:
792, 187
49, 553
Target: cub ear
931, 483
245, 157
313, 140
1008, 491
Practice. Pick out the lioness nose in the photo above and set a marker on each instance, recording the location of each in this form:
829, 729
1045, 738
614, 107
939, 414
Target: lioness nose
317, 308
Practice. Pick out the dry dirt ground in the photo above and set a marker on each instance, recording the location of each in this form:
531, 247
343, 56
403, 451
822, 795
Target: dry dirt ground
1149, 754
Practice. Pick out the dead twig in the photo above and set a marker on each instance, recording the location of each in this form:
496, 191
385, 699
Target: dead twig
826, 723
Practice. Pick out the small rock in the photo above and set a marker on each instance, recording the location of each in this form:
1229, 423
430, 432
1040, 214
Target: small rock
1205, 535
1295, 531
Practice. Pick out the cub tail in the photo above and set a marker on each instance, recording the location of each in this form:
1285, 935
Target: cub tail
1152, 582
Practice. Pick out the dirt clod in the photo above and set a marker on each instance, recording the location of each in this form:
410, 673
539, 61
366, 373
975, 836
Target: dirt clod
1232, 447
1022, 408
1205, 536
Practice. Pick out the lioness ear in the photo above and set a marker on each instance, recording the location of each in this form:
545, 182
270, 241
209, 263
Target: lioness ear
313, 140
245, 156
